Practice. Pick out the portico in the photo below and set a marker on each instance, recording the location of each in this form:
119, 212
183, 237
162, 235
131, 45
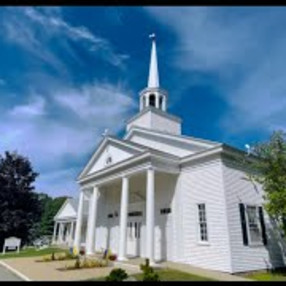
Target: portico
64, 232
128, 215
65, 222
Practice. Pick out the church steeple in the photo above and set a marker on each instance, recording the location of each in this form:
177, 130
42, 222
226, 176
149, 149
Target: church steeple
153, 95
153, 80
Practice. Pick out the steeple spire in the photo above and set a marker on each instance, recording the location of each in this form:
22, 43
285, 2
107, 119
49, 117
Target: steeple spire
153, 96
153, 80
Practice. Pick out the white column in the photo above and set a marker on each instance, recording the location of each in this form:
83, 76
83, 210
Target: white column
150, 199
71, 233
164, 106
141, 103
77, 238
91, 224
123, 218
54, 234
58, 233
147, 100
61, 233
157, 103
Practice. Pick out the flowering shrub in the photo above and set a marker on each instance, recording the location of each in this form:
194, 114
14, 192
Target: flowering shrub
87, 263
112, 257
82, 251
57, 257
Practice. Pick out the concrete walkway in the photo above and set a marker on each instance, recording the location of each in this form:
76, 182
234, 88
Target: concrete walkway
6, 275
49, 271
215, 275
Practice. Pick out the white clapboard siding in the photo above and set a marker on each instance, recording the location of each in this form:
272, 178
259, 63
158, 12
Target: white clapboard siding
202, 183
238, 190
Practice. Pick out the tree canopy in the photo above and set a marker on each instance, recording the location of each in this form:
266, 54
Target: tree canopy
50, 209
271, 173
19, 206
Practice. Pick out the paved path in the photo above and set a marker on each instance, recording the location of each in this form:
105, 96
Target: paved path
6, 275
49, 271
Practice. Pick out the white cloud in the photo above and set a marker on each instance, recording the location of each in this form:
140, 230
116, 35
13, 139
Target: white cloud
35, 28
97, 100
35, 107
244, 50
56, 122
50, 143
59, 182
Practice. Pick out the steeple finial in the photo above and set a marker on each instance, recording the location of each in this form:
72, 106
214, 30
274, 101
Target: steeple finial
153, 80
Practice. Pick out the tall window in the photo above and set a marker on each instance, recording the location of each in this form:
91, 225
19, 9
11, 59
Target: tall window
130, 229
203, 231
253, 224
152, 100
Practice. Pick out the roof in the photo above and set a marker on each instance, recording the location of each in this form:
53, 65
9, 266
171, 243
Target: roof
170, 135
72, 201
157, 111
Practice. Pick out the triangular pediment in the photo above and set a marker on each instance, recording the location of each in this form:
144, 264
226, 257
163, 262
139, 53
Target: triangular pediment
67, 210
109, 152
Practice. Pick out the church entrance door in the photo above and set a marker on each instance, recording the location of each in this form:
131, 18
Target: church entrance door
134, 233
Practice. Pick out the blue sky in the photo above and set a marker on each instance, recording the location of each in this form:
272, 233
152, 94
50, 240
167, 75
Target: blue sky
67, 73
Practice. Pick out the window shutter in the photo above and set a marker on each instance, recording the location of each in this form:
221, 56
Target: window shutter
263, 229
243, 224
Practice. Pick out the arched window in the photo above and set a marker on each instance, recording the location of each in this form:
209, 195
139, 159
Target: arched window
152, 100
161, 102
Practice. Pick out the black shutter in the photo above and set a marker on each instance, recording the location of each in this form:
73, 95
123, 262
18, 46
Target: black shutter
243, 224
263, 229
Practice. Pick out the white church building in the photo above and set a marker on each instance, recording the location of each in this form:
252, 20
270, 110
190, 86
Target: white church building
162, 195
64, 223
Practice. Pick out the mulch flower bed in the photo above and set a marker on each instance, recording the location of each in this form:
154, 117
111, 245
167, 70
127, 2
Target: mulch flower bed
84, 263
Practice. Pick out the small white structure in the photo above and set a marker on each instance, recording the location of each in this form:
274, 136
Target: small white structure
162, 195
65, 221
12, 243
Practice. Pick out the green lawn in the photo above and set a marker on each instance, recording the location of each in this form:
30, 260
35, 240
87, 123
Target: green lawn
276, 275
168, 274
30, 252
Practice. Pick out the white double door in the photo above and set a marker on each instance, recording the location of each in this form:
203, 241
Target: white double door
134, 236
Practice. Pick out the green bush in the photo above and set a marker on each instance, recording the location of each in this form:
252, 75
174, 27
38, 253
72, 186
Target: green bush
148, 272
46, 258
116, 274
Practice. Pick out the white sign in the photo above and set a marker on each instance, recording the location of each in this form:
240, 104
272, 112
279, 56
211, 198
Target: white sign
12, 243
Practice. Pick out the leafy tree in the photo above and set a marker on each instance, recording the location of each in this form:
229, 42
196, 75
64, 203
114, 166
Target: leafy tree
50, 209
268, 159
19, 206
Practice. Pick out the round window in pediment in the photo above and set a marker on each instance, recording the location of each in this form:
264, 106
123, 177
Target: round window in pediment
108, 160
